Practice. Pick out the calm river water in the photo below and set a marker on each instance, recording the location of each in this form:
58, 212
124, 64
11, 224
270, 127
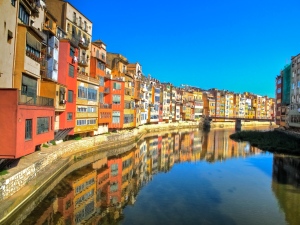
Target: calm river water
192, 177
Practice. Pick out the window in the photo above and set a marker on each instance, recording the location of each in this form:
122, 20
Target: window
293, 86
91, 121
101, 81
128, 118
28, 129
116, 117
62, 92
117, 86
70, 96
279, 90
72, 51
23, 15
91, 109
92, 94
101, 97
69, 116
13, 2
116, 99
74, 18
42, 125
100, 65
82, 92
71, 70
279, 81
29, 86
81, 109
298, 83
81, 122
114, 169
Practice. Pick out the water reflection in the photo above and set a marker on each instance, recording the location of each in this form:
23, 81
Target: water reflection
98, 193
286, 186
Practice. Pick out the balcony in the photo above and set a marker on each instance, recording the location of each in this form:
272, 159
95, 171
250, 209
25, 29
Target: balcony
83, 61
74, 41
108, 76
83, 43
105, 106
33, 56
84, 77
35, 100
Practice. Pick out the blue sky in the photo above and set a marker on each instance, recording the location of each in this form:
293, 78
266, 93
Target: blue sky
236, 45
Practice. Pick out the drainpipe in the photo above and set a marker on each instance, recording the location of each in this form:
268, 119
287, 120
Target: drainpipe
15, 45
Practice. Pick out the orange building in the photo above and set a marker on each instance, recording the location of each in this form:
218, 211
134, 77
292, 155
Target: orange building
98, 69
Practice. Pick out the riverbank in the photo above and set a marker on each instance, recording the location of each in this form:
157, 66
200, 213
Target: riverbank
276, 141
231, 124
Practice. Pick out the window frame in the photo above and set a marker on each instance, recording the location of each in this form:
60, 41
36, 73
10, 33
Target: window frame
43, 125
28, 129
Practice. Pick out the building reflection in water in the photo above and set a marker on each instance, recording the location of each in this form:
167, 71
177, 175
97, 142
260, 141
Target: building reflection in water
97, 193
286, 186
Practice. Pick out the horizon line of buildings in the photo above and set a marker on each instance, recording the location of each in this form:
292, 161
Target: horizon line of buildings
288, 95
55, 82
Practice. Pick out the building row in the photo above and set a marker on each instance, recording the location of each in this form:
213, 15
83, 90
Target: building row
288, 95
56, 83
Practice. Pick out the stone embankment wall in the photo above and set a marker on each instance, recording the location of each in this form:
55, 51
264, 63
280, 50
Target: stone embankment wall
244, 124
14, 181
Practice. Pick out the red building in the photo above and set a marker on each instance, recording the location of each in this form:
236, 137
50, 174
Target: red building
26, 122
115, 97
67, 75
115, 181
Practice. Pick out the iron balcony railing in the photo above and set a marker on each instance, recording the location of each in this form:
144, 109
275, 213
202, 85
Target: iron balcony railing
35, 100
104, 106
83, 61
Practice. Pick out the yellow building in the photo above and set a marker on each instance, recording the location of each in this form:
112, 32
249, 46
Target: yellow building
127, 172
83, 182
198, 104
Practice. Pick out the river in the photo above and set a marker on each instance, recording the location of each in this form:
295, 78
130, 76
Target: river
190, 177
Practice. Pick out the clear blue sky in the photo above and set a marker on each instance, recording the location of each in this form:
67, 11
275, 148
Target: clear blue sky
236, 45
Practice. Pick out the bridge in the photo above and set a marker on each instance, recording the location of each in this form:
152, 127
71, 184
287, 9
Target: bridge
238, 120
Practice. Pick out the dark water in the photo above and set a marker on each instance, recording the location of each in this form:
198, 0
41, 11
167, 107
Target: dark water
178, 178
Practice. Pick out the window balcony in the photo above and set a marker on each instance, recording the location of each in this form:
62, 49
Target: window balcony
24, 99
83, 61
85, 77
83, 43
33, 56
105, 106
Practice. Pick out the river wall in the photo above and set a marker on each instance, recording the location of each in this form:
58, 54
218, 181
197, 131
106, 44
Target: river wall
230, 124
